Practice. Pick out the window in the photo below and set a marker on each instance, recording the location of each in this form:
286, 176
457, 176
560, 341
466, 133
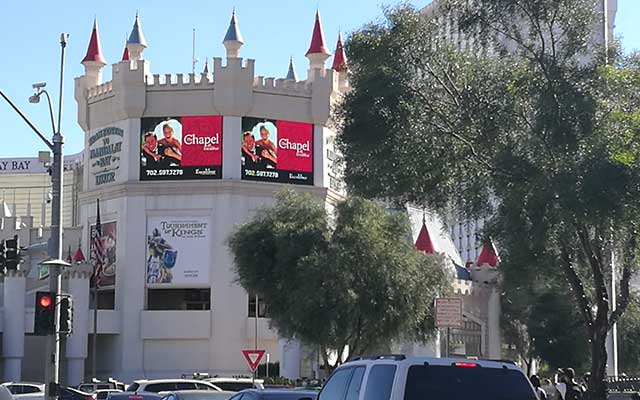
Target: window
444, 382
179, 299
15, 389
380, 382
353, 391
186, 386
170, 397
132, 388
30, 389
335, 387
160, 387
200, 386
234, 386
262, 309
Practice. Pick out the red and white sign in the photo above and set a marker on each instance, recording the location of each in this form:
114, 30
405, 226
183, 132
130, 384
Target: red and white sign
295, 147
201, 140
253, 358
449, 313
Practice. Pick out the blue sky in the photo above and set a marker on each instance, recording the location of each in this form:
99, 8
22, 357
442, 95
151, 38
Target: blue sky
273, 31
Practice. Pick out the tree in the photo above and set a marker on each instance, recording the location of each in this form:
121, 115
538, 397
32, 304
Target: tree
533, 131
348, 282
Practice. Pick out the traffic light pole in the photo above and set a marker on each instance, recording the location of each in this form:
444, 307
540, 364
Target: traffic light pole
52, 359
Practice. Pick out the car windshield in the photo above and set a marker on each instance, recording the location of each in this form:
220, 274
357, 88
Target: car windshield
457, 383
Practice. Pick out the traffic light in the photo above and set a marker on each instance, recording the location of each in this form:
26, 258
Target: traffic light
3, 255
44, 319
13, 257
66, 315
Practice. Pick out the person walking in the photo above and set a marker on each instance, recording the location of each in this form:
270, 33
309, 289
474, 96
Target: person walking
540, 393
574, 391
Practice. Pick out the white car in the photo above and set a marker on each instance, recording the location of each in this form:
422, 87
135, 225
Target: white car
25, 389
396, 377
236, 384
170, 385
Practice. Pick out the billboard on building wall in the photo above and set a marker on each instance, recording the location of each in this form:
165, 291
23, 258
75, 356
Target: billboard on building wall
105, 271
177, 148
277, 151
178, 250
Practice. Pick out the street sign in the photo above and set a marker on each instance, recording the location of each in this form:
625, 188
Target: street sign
43, 271
449, 313
253, 358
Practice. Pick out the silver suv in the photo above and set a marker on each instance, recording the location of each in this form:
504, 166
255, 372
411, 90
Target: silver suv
395, 377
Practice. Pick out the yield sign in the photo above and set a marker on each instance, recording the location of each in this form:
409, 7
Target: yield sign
253, 358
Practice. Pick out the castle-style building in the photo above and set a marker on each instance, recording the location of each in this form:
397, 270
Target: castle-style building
177, 162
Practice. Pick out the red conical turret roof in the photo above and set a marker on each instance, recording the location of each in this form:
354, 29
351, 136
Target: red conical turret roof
424, 243
339, 57
125, 53
78, 256
94, 52
317, 39
488, 254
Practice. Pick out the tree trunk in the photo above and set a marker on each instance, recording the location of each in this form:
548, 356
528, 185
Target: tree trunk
597, 382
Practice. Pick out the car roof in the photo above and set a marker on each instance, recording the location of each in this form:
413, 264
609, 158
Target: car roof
23, 383
401, 360
180, 392
147, 381
148, 394
225, 379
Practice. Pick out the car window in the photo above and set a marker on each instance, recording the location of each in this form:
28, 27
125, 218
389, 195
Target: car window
202, 386
336, 386
161, 387
170, 397
86, 388
448, 382
353, 390
186, 386
30, 389
233, 386
133, 387
380, 382
15, 389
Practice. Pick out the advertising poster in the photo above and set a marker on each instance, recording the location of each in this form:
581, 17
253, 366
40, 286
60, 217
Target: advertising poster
102, 253
176, 148
277, 151
178, 251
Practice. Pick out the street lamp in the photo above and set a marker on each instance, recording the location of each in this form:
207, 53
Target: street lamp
52, 357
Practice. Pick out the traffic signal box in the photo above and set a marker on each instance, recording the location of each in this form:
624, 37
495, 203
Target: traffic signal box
44, 320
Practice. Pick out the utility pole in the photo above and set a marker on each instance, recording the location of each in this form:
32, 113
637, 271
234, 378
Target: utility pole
52, 357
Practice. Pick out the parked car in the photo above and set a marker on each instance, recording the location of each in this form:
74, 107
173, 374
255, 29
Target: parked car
170, 385
236, 384
102, 394
276, 394
133, 396
396, 377
25, 390
24, 387
92, 387
198, 395
69, 393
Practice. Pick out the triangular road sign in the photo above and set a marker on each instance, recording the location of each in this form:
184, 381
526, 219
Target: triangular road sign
253, 358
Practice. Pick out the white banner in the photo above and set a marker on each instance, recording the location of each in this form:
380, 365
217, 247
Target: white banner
178, 251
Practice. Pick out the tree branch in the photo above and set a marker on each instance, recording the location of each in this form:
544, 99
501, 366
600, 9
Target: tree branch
576, 284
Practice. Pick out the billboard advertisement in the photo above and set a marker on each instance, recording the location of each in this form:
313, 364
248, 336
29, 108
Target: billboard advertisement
178, 250
102, 254
277, 151
177, 148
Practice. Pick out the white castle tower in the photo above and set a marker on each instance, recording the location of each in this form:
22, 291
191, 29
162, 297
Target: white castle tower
178, 161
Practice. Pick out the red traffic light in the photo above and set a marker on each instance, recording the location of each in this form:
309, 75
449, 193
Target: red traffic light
45, 301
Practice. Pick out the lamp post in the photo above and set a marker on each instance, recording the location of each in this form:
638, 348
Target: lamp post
52, 357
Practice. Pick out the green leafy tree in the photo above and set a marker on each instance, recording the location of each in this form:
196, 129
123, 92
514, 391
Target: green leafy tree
350, 282
533, 130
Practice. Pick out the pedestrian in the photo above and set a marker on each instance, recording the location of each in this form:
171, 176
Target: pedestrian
574, 391
540, 393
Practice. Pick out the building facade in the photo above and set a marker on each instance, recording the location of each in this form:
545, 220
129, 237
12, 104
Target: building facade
177, 162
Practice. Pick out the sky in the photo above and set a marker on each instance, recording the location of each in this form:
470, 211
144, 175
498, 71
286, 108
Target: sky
273, 31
